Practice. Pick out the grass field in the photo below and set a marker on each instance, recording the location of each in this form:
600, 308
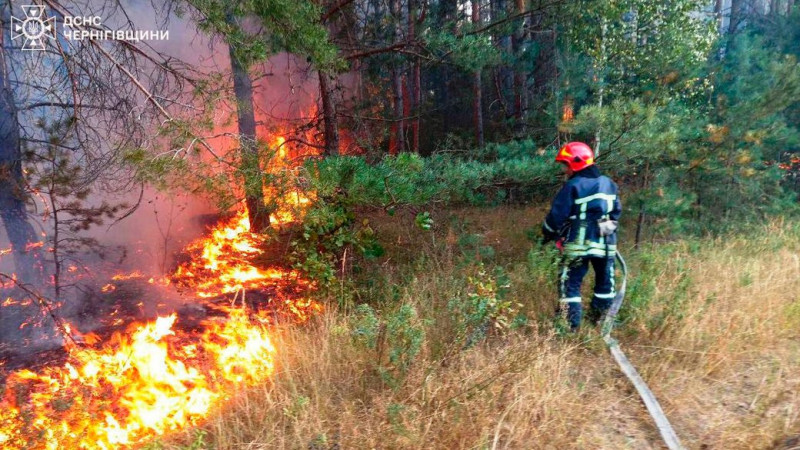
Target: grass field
444, 359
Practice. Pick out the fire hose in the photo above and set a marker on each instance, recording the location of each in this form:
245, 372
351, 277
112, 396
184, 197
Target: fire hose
649, 399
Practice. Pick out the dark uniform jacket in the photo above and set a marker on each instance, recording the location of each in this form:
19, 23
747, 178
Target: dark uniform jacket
586, 198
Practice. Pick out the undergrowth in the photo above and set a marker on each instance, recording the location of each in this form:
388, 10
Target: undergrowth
448, 342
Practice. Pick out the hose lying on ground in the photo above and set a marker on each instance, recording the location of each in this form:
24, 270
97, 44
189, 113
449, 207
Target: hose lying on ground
649, 399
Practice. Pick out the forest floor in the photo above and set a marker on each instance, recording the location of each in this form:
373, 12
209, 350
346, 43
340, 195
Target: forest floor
441, 360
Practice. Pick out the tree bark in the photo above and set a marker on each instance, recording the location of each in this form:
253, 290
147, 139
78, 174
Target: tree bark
250, 162
718, 15
518, 45
27, 259
477, 93
601, 82
397, 85
416, 96
737, 16
443, 74
21, 234
505, 77
544, 72
329, 114
640, 220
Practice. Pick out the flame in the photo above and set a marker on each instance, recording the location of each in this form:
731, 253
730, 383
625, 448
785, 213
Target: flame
162, 376
127, 276
33, 245
147, 384
156, 377
223, 265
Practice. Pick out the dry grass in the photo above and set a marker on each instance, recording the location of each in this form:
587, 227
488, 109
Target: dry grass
714, 328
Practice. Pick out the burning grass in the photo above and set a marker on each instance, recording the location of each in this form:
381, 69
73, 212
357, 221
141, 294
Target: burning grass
160, 376
126, 383
154, 381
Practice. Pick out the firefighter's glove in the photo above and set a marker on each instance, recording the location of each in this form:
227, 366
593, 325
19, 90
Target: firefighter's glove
607, 226
547, 236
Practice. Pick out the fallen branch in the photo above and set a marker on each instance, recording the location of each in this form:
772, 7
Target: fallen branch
45, 305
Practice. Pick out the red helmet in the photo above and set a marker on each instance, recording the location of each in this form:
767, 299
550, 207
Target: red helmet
576, 155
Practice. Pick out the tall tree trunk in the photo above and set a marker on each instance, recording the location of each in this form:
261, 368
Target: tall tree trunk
414, 78
737, 16
601, 82
21, 234
251, 164
329, 114
544, 73
518, 45
416, 95
477, 93
446, 15
397, 83
640, 220
27, 257
504, 76
718, 15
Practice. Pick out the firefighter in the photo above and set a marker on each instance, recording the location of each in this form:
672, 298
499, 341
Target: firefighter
583, 221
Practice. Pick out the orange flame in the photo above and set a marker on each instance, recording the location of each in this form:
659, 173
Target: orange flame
148, 384
34, 245
223, 265
159, 377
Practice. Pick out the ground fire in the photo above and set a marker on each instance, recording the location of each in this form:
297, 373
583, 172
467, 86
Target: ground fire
150, 378
158, 377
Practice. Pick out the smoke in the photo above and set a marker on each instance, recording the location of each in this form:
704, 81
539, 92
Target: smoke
285, 92
158, 224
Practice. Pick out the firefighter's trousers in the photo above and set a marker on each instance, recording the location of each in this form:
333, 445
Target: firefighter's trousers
573, 269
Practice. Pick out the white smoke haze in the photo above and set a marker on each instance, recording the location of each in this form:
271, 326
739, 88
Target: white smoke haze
151, 236
285, 92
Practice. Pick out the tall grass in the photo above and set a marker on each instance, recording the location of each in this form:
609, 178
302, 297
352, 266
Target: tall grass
713, 326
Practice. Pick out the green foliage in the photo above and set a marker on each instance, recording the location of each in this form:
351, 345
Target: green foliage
328, 228
347, 183
298, 405
518, 150
409, 179
469, 52
63, 184
404, 337
288, 26
647, 274
634, 47
641, 288
486, 307
424, 221
396, 412
708, 151
154, 171
397, 340
366, 326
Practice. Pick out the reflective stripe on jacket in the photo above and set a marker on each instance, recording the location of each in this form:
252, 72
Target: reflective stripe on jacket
583, 200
